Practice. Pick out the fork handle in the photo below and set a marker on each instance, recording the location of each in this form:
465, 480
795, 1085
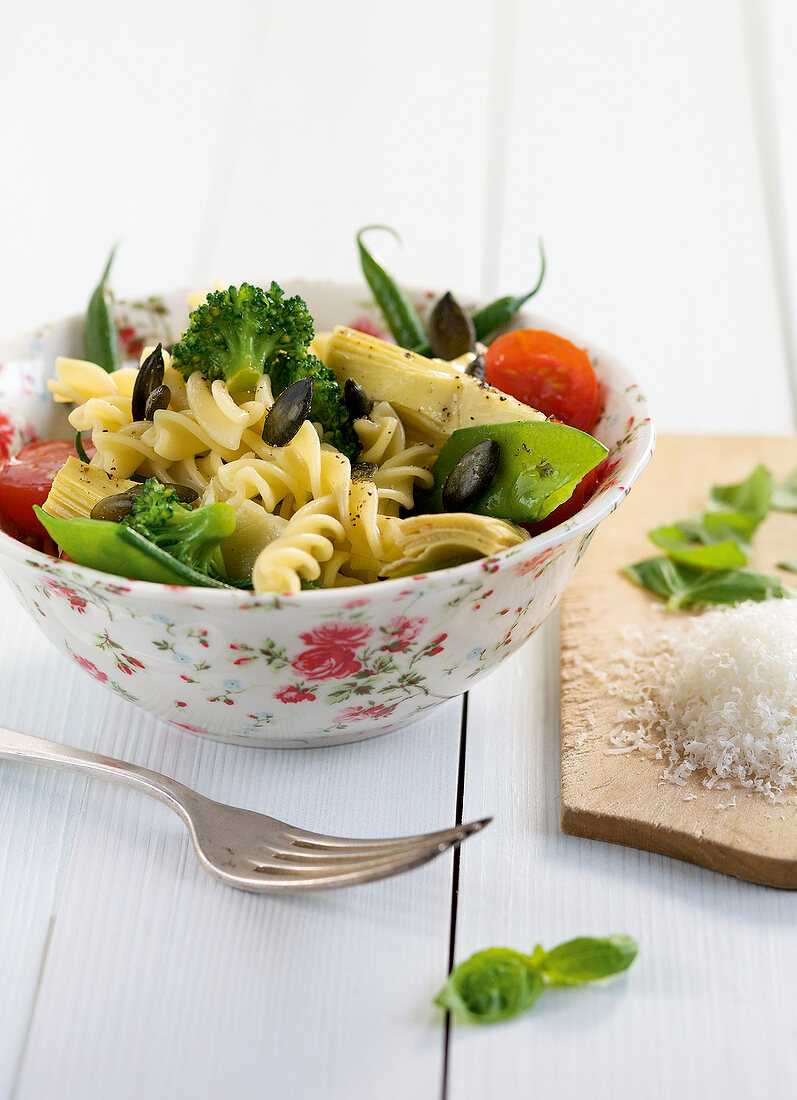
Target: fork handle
23, 746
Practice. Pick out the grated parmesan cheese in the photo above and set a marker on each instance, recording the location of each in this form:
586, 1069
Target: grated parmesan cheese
716, 693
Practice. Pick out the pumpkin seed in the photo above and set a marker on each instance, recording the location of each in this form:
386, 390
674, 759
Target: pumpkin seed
159, 398
476, 368
451, 331
149, 378
119, 506
357, 400
471, 476
288, 413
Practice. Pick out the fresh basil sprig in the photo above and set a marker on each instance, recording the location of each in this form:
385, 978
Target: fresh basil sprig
705, 554
784, 496
100, 341
500, 983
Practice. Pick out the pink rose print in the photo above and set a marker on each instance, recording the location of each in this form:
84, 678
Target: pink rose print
378, 710
327, 663
527, 567
291, 693
435, 646
331, 655
338, 634
90, 668
403, 632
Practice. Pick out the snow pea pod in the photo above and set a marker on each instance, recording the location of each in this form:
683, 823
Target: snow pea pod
117, 548
100, 342
402, 318
540, 464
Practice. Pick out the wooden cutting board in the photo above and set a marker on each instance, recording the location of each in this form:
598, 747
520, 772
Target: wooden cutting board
623, 798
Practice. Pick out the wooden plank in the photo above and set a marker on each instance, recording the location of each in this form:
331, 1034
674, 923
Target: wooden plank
39, 810
110, 138
162, 982
621, 798
711, 947
349, 118
634, 154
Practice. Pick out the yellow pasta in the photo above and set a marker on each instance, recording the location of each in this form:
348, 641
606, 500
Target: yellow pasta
301, 518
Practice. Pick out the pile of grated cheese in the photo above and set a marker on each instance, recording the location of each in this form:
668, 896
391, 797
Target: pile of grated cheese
716, 693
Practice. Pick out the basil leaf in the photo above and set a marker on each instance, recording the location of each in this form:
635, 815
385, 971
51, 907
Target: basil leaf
684, 586
784, 496
100, 341
587, 959
790, 564
750, 497
491, 985
540, 464
679, 542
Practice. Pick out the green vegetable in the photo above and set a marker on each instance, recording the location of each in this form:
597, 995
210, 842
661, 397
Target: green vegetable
784, 496
402, 317
494, 316
191, 536
400, 314
100, 341
540, 464
328, 407
719, 537
80, 449
500, 983
694, 545
705, 553
587, 959
117, 548
686, 586
161, 540
491, 985
241, 333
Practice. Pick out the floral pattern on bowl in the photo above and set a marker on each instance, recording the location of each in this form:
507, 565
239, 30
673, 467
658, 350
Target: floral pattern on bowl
322, 667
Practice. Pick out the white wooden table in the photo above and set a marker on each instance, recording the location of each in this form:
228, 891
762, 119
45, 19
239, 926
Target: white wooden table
652, 147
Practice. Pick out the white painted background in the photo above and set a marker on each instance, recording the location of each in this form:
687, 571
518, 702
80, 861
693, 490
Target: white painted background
652, 147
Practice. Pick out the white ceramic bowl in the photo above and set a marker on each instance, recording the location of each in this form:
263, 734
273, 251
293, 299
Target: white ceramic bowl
322, 667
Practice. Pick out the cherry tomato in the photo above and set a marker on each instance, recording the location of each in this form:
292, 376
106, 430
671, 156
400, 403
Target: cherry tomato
25, 480
547, 372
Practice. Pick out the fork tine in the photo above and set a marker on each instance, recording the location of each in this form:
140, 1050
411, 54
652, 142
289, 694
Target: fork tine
326, 845
332, 872
299, 856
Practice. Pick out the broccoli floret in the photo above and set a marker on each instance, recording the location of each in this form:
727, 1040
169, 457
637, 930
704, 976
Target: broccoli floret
192, 536
328, 408
238, 334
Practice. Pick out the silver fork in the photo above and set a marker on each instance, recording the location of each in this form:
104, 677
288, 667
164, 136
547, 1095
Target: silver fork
249, 850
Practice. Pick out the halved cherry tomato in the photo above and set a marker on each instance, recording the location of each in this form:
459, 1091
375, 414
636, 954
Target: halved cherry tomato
547, 372
25, 480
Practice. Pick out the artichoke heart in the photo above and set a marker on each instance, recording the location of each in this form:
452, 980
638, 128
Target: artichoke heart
420, 543
431, 398
77, 487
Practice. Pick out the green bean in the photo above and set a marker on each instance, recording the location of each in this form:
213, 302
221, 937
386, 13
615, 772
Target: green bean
100, 342
401, 316
81, 452
495, 315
